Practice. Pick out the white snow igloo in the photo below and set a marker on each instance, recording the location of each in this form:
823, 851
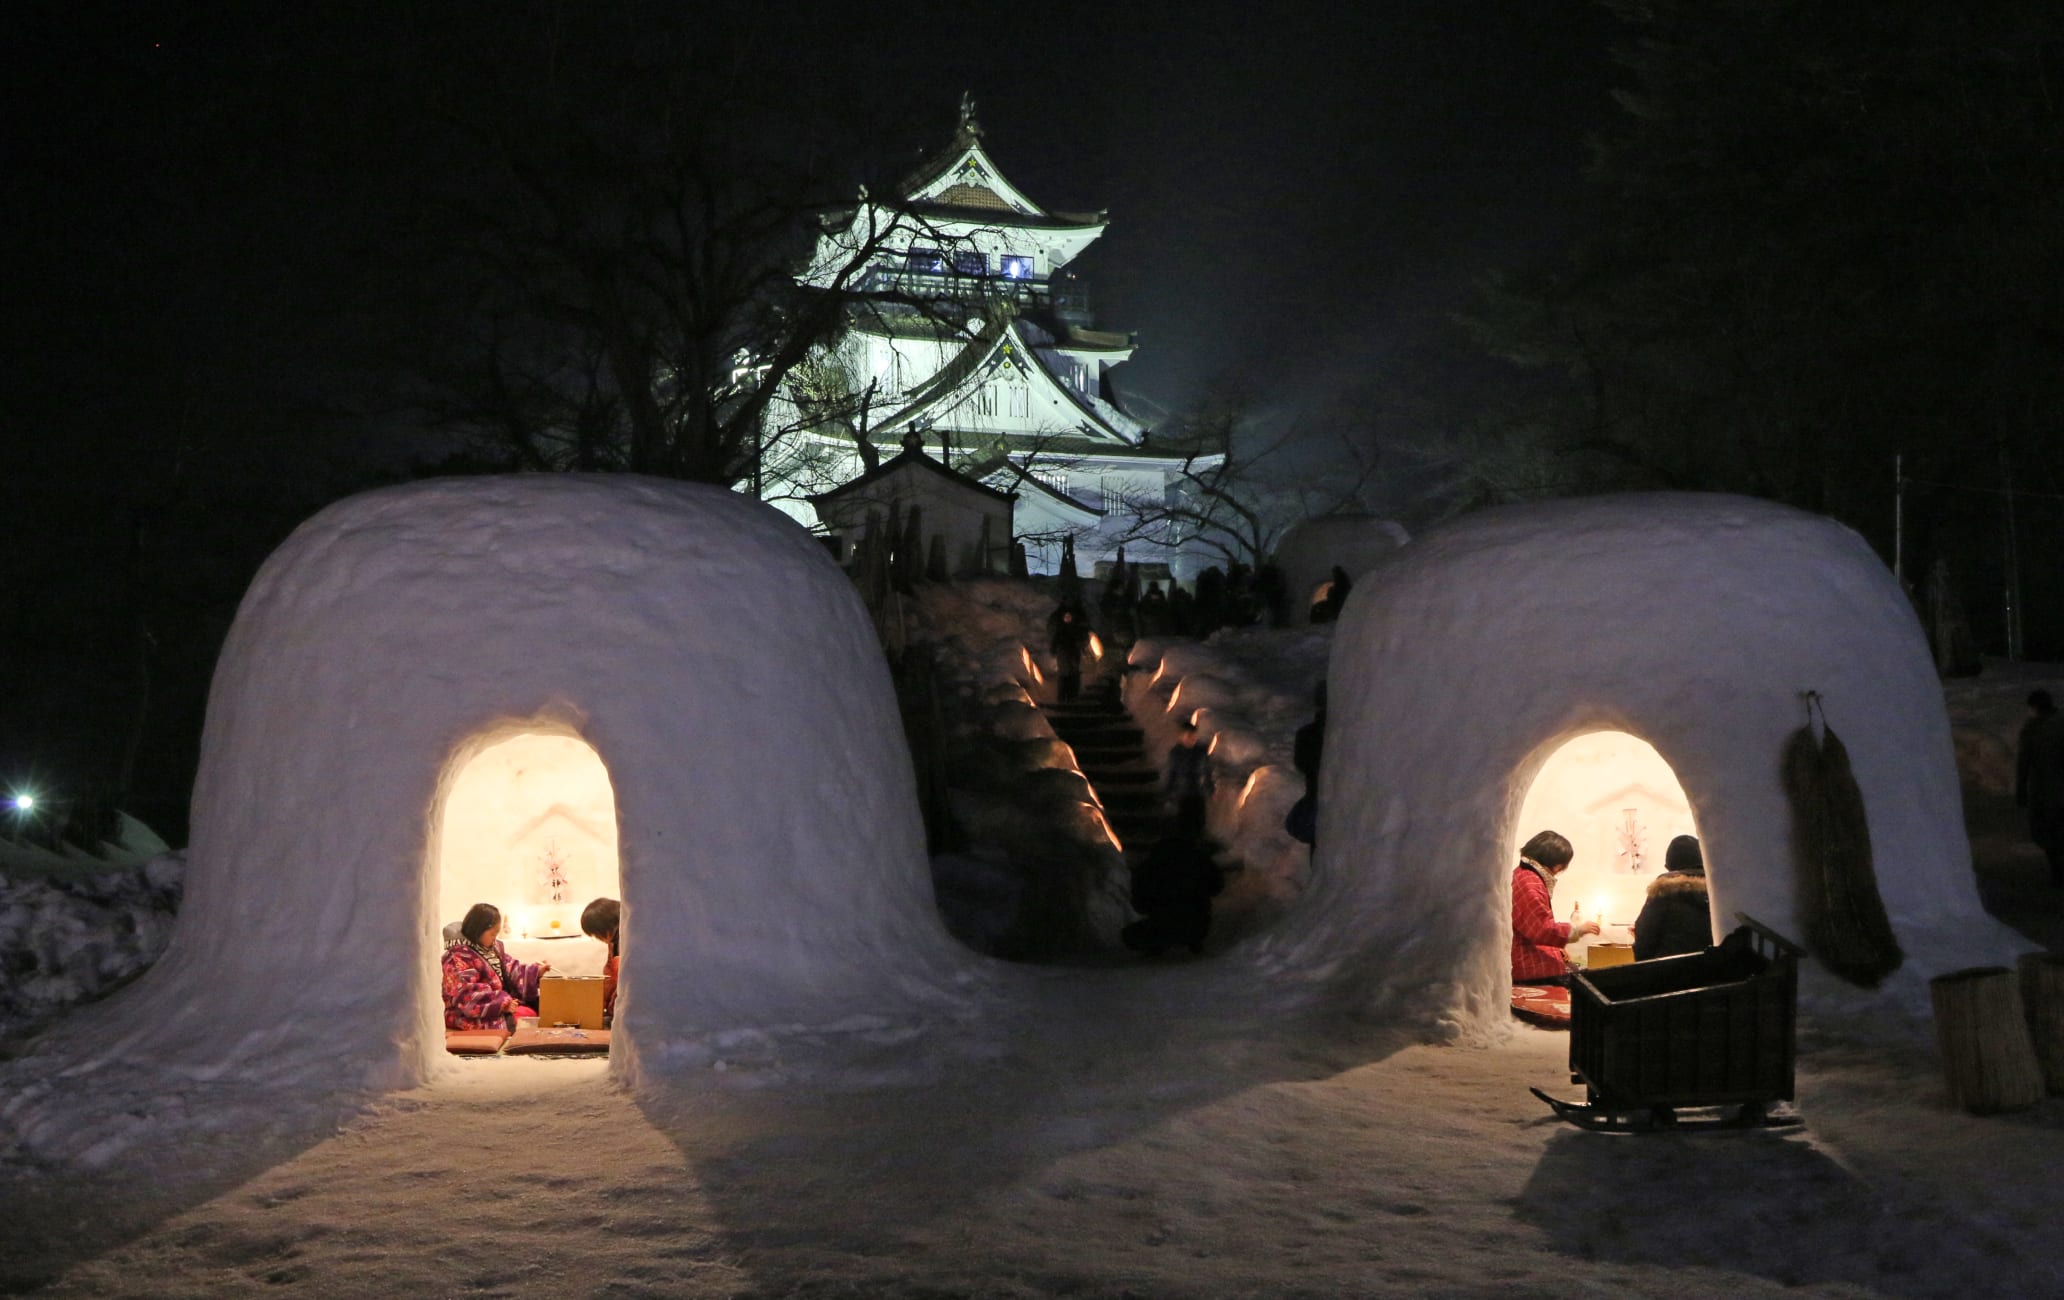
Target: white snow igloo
1308, 552
1691, 623
686, 683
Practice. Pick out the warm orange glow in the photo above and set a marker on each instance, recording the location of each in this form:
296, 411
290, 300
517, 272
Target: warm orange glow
1173, 696
1212, 748
1248, 788
1619, 803
1159, 668
1096, 646
529, 825
1105, 824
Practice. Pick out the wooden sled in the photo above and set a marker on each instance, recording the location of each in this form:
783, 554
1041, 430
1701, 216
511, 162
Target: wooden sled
1708, 1031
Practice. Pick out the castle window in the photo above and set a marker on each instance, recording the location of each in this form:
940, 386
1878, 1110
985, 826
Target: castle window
971, 263
1016, 268
924, 259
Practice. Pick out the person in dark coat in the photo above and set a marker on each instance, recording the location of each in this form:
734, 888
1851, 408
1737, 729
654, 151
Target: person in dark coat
2039, 779
1186, 781
1070, 638
1172, 889
1307, 750
1677, 918
1327, 608
1153, 611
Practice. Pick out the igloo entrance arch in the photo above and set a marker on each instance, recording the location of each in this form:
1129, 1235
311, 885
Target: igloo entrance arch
1619, 803
527, 822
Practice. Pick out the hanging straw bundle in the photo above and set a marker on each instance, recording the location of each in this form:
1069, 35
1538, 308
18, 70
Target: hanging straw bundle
1846, 925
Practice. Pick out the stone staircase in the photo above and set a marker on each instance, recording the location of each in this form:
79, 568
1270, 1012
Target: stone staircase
1108, 749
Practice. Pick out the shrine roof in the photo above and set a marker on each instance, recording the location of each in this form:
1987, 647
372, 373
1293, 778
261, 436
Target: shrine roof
913, 459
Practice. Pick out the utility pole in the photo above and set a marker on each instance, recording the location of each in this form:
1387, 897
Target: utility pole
1898, 520
2012, 565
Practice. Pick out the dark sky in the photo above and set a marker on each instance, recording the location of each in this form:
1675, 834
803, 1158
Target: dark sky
1297, 193
206, 200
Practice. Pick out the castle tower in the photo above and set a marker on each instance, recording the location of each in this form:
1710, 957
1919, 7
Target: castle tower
966, 328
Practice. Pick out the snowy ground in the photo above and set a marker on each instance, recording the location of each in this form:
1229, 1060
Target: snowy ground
1147, 1132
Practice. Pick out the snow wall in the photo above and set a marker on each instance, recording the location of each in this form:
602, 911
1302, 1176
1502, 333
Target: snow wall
772, 852
1309, 550
1692, 621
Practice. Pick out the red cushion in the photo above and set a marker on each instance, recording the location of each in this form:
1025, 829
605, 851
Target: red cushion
558, 1038
1544, 1004
475, 1042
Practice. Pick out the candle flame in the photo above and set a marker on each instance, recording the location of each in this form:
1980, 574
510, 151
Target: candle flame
1096, 647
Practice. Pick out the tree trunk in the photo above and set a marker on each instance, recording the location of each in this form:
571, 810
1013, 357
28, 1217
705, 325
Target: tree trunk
2042, 997
1987, 1057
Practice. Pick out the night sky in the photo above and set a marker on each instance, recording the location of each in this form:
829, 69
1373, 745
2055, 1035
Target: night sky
1296, 193
210, 207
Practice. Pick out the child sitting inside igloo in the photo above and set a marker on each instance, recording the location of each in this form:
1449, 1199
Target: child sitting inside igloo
603, 919
484, 987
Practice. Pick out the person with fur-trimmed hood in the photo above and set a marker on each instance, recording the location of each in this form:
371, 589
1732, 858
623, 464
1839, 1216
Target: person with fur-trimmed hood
1677, 918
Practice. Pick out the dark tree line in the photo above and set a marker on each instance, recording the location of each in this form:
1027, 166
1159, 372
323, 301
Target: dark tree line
1823, 236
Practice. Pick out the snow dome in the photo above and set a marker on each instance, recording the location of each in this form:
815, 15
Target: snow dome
534, 691
1687, 626
1309, 550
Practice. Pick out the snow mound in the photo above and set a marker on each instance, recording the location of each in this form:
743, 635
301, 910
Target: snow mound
1694, 622
771, 850
1309, 551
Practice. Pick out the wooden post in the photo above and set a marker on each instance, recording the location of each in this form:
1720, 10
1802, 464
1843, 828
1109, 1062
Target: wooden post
1987, 1057
2042, 997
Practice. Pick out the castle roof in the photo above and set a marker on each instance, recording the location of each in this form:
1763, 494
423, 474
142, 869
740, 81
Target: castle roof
963, 180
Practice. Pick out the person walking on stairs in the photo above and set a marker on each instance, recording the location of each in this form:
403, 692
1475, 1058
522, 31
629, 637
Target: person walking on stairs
1186, 780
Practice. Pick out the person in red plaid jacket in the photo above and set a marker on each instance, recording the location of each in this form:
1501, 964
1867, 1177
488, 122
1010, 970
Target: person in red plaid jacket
1538, 938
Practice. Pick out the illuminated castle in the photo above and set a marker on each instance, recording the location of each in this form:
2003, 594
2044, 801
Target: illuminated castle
969, 341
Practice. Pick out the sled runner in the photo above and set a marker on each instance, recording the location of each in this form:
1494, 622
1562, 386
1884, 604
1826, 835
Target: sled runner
1710, 1029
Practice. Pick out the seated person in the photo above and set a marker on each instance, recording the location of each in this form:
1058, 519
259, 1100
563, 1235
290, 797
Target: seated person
1676, 918
1538, 939
484, 987
603, 919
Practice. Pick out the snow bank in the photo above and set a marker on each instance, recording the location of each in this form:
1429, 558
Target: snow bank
69, 939
1692, 621
772, 855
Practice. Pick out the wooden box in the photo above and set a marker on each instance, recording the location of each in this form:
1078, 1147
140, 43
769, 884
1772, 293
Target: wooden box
1600, 955
570, 1000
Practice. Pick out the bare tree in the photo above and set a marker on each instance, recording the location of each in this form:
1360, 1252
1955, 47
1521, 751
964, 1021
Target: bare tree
1242, 485
624, 234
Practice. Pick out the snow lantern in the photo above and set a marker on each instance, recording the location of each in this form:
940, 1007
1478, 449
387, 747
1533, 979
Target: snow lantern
1689, 626
533, 691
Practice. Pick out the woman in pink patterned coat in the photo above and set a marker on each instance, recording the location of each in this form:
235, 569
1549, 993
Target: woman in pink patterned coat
484, 987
